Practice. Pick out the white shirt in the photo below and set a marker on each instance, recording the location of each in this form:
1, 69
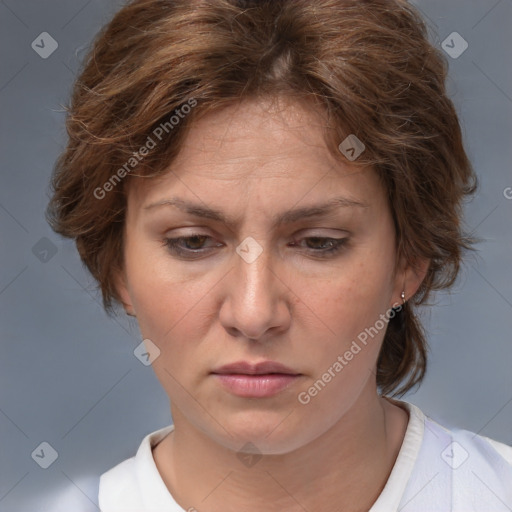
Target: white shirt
436, 469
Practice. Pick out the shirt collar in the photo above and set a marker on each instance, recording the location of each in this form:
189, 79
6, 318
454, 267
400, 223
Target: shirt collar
156, 496
391, 495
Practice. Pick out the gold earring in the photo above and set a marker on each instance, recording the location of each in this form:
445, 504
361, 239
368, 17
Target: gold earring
403, 297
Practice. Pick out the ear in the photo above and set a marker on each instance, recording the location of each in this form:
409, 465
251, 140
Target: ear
408, 278
120, 283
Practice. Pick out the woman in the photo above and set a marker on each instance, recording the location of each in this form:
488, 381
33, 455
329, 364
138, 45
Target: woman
272, 188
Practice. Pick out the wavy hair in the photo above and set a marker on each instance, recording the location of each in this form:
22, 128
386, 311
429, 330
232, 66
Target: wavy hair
368, 64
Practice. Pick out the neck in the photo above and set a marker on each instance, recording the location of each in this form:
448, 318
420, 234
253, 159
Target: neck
345, 468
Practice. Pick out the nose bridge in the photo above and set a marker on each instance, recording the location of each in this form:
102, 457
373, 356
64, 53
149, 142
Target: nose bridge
253, 293
253, 270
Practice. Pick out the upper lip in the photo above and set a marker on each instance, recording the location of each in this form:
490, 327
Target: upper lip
261, 368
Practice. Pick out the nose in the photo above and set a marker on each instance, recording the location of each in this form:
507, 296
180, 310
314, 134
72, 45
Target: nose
255, 304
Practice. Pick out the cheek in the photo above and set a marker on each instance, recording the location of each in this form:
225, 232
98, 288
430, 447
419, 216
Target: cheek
174, 312
159, 295
358, 290
168, 310
344, 359
171, 315
350, 303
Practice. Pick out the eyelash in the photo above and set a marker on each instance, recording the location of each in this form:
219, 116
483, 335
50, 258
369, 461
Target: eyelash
338, 244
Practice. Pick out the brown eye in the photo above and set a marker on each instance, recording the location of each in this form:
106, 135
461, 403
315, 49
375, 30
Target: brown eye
194, 242
324, 247
187, 246
316, 242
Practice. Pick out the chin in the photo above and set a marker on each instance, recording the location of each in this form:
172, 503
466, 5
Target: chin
267, 433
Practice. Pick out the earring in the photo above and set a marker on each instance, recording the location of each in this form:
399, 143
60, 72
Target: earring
403, 297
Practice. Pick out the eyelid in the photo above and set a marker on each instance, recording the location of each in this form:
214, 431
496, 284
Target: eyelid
338, 245
303, 233
172, 245
323, 233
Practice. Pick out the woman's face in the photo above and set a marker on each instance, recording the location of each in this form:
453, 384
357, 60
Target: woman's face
245, 287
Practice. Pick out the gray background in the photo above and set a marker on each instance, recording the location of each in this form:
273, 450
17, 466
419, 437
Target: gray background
68, 375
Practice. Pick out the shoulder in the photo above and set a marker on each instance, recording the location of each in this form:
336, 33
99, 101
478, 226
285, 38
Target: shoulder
503, 449
483, 465
129, 485
467, 446
458, 467
118, 488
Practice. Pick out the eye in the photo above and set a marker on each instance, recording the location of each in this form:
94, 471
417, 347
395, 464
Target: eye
193, 246
187, 246
323, 246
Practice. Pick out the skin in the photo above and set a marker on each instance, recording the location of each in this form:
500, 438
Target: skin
253, 161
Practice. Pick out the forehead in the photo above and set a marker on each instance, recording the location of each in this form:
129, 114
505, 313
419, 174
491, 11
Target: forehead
275, 141
256, 134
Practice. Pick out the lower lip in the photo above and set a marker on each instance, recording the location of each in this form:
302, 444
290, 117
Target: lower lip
256, 386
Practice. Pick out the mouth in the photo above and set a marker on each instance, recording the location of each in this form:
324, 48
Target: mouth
262, 368
260, 380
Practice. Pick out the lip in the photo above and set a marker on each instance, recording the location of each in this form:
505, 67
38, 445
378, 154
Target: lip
258, 380
261, 368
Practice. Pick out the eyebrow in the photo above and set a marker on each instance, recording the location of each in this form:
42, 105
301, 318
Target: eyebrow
288, 217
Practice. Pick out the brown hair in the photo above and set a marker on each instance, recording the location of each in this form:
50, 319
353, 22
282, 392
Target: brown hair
367, 64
